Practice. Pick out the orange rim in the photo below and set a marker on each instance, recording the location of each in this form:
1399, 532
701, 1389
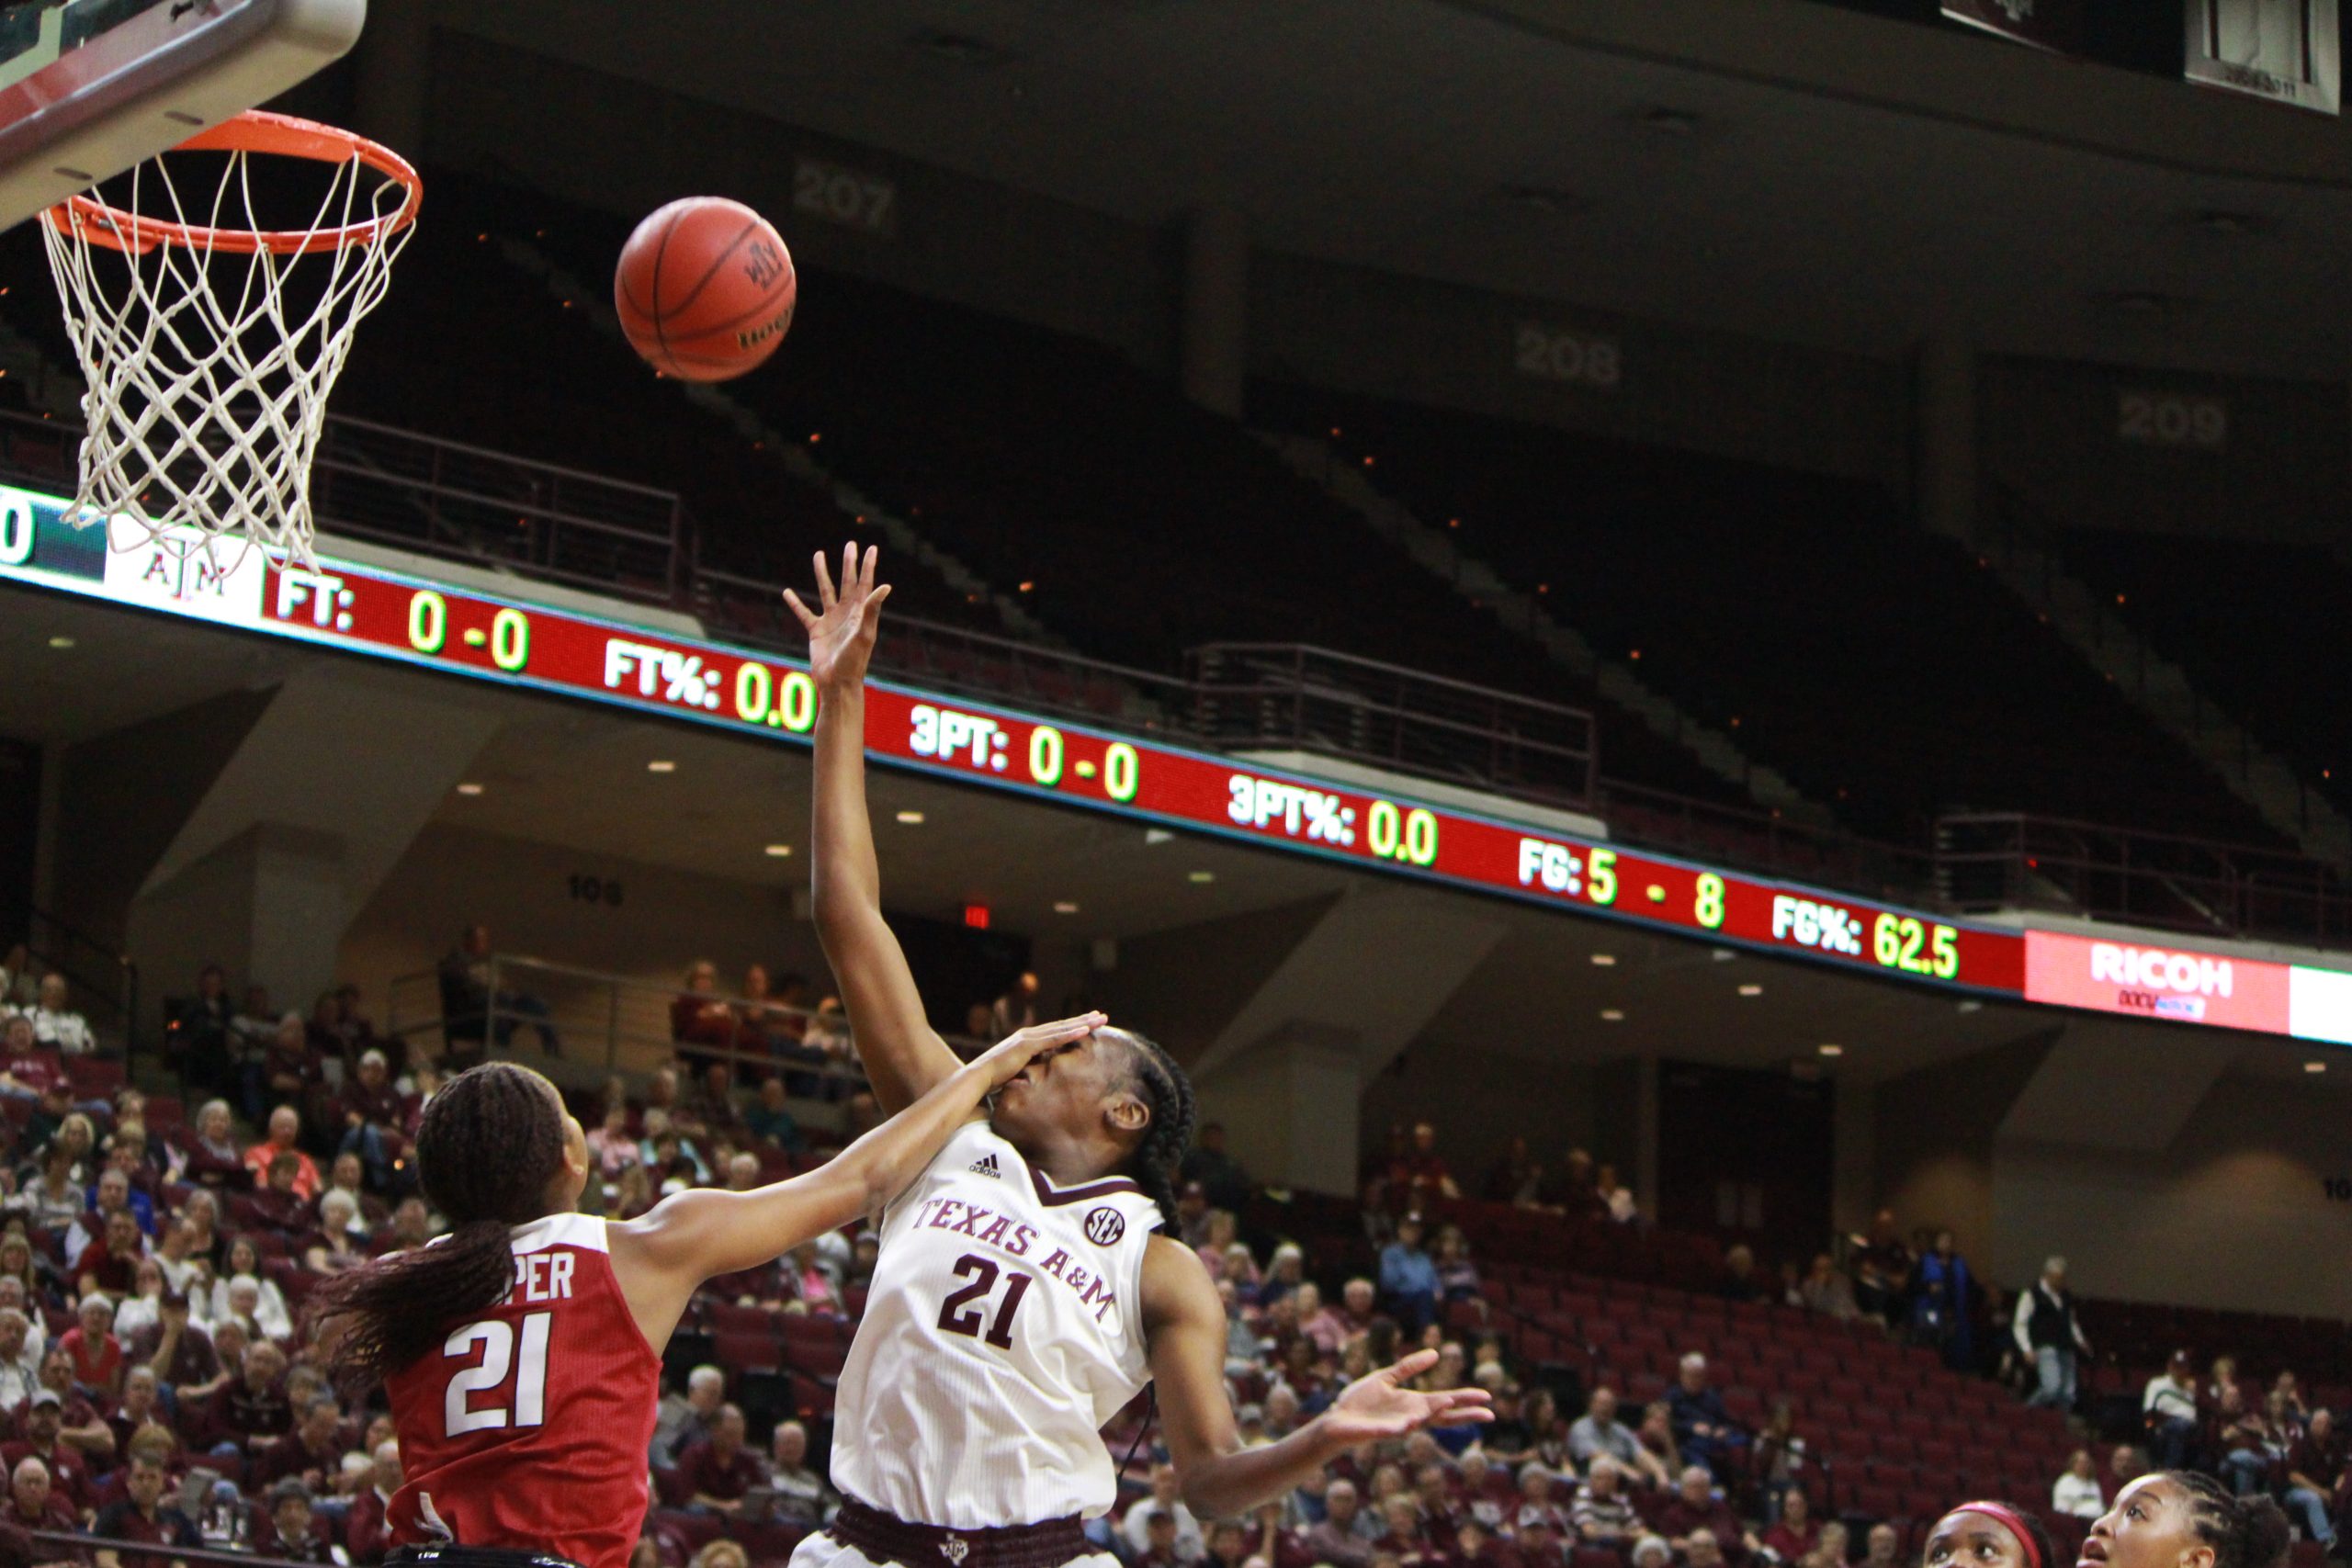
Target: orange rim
255, 130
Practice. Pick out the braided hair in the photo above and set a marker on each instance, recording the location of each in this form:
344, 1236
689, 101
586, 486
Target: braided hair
2245, 1532
490, 1141
1161, 1085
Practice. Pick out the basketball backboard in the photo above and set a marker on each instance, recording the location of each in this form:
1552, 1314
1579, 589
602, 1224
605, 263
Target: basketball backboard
89, 88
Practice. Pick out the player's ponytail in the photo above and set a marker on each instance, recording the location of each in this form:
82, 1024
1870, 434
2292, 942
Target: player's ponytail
491, 1141
1163, 1086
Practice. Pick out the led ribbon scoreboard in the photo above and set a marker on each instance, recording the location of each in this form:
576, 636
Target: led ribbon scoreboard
513, 641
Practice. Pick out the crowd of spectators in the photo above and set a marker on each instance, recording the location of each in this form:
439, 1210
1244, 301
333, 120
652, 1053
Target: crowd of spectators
155, 1390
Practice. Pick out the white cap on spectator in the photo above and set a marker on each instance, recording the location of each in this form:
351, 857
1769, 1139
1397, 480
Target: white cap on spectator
1652, 1547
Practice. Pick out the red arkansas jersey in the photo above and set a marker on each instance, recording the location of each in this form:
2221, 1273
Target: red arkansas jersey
528, 1428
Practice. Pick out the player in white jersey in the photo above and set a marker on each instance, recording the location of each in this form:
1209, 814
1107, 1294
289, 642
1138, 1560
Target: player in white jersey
1025, 1293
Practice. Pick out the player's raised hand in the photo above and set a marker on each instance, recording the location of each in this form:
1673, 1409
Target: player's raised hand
1005, 1059
841, 635
1379, 1405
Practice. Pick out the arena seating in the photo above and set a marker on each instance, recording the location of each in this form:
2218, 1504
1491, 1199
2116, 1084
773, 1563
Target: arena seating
1891, 699
2258, 626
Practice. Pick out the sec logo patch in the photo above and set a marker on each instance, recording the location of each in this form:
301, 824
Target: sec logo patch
1105, 1226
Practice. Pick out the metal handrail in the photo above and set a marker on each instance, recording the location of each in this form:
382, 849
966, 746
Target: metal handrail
91, 968
590, 1004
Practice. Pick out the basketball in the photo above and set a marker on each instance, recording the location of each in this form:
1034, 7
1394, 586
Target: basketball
704, 288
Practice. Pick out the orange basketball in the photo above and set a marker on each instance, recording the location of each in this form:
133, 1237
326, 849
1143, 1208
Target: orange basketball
704, 288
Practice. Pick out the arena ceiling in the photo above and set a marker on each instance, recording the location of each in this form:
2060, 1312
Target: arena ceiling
1770, 168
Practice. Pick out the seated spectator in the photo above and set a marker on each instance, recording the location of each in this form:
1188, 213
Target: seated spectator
1652, 1551
2168, 1406
1425, 1174
1616, 1199
284, 1133
1881, 1547
2078, 1491
610, 1143
699, 1017
311, 1454
294, 1533
1514, 1179
2316, 1478
143, 1517
802, 1495
1409, 1278
55, 1024
29, 1069
815, 1286
366, 1535
2240, 1437
1457, 1276
196, 1040
715, 1472
214, 1159
1794, 1535
1740, 1280
178, 1350
373, 1114
1778, 1459
712, 1104
19, 1361
1359, 1306
110, 1264
95, 1353
1598, 1432
34, 1503
1166, 1500
1830, 1550
1537, 1506
1343, 1537
1702, 1428
79, 1425
1285, 1271
51, 1201
141, 1406
1694, 1507
1603, 1515
343, 1242
682, 1420
1826, 1290
411, 1224
1406, 1537
255, 1304
1159, 1530
66, 1468
348, 1175
769, 1122
252, 1412
1016, 1010
287, 1071
474, 1014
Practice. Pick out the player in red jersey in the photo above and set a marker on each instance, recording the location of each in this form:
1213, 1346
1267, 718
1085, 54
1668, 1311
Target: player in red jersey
520, 1351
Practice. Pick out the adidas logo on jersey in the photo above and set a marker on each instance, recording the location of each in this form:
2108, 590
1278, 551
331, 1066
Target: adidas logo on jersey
985, 1166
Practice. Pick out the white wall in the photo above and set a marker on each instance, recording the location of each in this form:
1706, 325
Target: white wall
2232, 1215
666, 918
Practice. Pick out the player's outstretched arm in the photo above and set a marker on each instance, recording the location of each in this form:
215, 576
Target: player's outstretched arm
903, 1055
1184, 1323
693, 1235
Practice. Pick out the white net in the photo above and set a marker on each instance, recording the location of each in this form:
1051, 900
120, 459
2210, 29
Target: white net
210, 343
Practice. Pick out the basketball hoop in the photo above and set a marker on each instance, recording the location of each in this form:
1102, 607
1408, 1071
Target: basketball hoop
208, 354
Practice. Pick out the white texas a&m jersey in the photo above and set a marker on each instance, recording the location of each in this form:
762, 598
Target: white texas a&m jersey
1004, 1330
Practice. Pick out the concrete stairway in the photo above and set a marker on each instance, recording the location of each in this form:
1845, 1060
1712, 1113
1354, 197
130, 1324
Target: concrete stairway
2163, 691
1478, 582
